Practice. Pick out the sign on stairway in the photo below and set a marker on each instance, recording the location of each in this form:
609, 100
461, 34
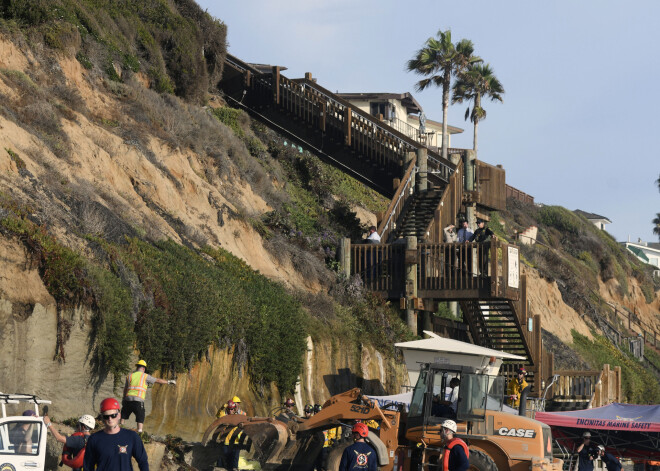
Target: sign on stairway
514, 268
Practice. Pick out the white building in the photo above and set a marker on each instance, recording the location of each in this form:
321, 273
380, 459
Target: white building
647, 252
596, 219
402, 112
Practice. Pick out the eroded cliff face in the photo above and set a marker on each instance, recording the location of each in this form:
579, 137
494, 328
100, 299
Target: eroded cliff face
28, 316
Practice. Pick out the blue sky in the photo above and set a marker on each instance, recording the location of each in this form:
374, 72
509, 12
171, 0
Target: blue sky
578, 124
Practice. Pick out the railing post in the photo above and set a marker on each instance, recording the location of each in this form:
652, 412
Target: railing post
323, 112
276, 84
345, 256
411, 282
348, 115
538, 351
422, 163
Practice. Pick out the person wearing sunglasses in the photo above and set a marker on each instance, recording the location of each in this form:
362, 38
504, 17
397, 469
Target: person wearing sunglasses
74, 445
111, 449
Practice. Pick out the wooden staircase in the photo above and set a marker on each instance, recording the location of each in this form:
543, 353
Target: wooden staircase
418, 215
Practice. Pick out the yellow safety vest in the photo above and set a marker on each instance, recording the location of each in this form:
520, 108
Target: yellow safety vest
228, 438
137, 384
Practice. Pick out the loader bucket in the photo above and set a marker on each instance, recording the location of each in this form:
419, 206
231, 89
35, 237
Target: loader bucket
274, 443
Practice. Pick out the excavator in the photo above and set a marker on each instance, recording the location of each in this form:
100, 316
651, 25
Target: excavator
405, 440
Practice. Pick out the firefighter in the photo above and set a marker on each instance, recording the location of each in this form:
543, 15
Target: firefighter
231, 446
359, 456
135, 391
516, 386
74, 446
456, 453
611, 462
308, 410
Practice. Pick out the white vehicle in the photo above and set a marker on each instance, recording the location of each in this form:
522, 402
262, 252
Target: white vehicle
22, 437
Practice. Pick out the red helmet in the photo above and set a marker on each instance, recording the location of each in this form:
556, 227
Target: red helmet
231, 405
361, 429
290, 402
110, 404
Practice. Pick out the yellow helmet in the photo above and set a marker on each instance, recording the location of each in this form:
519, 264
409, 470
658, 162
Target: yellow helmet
236, 399
141, 363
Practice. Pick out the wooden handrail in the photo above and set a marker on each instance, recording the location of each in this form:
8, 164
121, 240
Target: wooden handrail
397, 203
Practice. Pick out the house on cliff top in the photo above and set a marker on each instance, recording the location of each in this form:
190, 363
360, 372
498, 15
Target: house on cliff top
596, 219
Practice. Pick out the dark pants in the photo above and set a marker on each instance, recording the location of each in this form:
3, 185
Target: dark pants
229, 457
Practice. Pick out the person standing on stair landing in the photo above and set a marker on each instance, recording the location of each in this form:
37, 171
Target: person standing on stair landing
373, 237
516, 386
482, 236
135, 391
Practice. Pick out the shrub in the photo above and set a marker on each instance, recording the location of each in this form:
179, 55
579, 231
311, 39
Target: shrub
639, 385
560, 218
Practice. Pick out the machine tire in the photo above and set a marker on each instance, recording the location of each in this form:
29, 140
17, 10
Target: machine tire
480, 461
334, 456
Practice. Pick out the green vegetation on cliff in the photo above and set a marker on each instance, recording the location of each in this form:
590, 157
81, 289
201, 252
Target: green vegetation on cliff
176, 44
639, 386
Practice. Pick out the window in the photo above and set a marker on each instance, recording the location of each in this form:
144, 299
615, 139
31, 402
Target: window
417, 403
20, 437
384, 108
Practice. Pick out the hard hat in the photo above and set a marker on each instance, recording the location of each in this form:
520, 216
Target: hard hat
308, 409
601, 447
586, 435
141, 363
317, 408
231, 405
236, 399
29, 413
88, 421
521, 370
290, 402
449, 425
361, 429
110, 404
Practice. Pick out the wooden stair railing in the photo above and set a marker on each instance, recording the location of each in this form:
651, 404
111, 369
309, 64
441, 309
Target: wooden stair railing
308, 103
398, 203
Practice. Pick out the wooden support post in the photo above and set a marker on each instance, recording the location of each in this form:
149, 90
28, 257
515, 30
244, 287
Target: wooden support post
395, 184
422, 163
607, 385
248, 78
437, 222
348, 115
344, 255
538, 348
276, 84
617, 387
411, 283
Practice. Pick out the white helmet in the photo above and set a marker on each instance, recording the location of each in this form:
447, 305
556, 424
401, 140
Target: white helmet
449, 424
88, 421
601, 447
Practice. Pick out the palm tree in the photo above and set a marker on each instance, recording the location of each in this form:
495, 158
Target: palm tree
438, 60
477, 82
656, 228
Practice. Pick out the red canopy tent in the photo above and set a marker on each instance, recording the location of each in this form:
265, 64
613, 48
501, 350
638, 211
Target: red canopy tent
627, 430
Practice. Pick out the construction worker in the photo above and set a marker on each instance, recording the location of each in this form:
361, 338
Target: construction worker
456, 455
231, 446
359, 456
74, 446
237, 401
516, 386
611, 462
135, 391
586, 453
112, 448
